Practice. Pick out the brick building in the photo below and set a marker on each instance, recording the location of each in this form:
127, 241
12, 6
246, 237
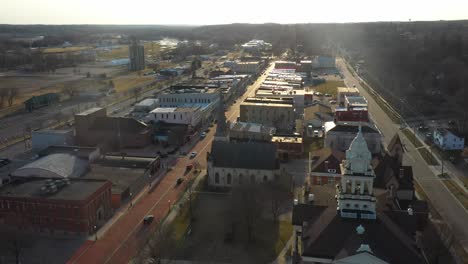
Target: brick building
60, 205
288, 147
94, 127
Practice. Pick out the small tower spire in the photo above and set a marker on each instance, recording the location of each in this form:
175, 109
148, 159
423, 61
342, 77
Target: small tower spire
222, 125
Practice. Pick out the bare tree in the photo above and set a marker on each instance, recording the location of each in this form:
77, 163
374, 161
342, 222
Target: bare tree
14, 243
69, 90
246, 203
136, 92
3, 95
12, 93
161, 246
274, 194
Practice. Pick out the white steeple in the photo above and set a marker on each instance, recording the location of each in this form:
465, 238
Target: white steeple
355, 194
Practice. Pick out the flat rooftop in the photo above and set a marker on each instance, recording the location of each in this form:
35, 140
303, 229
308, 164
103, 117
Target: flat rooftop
175, 109
89, 111
77, 190
297, 140
120, 177
347, 90
267, 101
252, 127
356, 100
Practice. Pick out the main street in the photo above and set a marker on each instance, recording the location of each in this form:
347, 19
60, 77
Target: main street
444, 202
127, 235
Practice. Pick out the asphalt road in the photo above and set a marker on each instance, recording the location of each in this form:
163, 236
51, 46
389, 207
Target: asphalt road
445, 203
127, 235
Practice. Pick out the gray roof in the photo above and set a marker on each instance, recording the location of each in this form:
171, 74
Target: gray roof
246, 155
57, 165
75, 190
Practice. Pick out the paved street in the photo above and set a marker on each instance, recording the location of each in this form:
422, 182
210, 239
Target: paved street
127, 236
445, 203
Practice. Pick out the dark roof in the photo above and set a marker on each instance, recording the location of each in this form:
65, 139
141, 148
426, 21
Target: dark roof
306, 213
324, 154
126, 125
394, 141
246, 155
353, 129
406, 179
382, 173
338, 239
82, 152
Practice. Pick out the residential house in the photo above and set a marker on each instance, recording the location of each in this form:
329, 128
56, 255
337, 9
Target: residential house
325, 166
447, 139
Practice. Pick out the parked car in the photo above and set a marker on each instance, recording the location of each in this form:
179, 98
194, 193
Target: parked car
193, 154
203, 135
332, 101
179, 181
148, 219
4, 162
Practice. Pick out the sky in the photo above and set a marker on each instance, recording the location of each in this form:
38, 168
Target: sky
207, 12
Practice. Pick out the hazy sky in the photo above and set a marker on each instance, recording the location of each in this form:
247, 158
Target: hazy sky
201, 12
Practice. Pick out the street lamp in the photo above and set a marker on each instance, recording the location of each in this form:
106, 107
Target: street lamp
95, 233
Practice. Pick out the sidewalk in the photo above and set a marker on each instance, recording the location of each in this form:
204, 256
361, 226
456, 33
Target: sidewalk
452, 172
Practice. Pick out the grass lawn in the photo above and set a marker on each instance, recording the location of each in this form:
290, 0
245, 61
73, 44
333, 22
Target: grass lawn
121, 52
68, 49
428, 157
412, 138
213, 218
394, 116
125, 83
457, 192
329, 87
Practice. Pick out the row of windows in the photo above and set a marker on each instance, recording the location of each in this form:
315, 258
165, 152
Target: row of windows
185, 100
240, 179
166, 116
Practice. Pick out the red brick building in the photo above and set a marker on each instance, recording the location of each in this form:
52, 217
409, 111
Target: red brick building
288, 147
325, 166
353, 115
65, 206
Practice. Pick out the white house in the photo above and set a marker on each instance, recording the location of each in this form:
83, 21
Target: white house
177, 115
448, 140
231, 163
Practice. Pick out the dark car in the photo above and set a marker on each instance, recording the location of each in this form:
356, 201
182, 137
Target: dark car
179, 181
148, 219
4, 162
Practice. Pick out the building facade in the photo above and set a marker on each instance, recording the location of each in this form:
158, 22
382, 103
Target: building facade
231, 164
64, 206
339, 137
137, 56
177, 115
269, 112
448, 140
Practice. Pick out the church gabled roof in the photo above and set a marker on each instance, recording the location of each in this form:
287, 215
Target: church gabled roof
396, 140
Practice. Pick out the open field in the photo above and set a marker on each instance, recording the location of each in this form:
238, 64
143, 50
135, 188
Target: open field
329, 87
152, 49
213, 221
67, 49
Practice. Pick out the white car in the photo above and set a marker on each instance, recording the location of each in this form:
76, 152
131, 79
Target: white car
193, 154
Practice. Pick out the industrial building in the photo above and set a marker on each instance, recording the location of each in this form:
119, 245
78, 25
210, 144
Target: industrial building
270, 112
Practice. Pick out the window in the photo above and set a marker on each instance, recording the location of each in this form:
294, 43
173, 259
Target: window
216, 178
265, 178
319, 180
240, 178
252, 178
364, 206
356, 205
332, 170
229, 178
347, 205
